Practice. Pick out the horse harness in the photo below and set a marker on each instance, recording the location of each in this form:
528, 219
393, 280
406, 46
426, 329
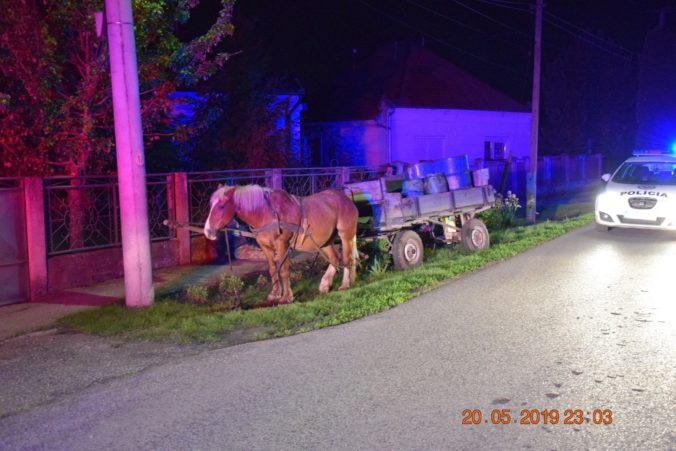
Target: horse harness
300, 231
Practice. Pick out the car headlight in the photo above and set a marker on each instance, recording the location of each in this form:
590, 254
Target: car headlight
603, 199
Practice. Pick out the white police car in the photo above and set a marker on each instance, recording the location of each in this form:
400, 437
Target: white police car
641, 193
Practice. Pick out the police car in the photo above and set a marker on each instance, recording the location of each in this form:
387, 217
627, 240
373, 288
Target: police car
641, 193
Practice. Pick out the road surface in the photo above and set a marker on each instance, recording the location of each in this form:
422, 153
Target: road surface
586, 322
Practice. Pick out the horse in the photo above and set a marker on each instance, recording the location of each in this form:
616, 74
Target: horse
280, 221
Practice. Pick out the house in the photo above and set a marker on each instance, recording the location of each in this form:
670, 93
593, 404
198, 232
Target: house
407, 103
287, 104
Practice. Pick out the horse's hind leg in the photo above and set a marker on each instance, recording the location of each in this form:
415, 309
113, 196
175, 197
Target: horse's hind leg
349, 259
327, 279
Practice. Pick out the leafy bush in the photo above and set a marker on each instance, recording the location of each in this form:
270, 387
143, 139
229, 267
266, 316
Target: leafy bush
503, 214
197, 294
261, 281
379, 257
230, 290
380, 264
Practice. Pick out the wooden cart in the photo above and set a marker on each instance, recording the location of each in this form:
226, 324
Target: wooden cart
449, 217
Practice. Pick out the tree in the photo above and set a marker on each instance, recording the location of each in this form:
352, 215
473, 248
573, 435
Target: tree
55, 96
243, 105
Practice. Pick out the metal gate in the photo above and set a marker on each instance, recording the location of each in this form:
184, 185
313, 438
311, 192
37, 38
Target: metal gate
13, 249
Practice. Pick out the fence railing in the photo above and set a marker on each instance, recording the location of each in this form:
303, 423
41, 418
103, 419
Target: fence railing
297, 181
83, 213
556, 175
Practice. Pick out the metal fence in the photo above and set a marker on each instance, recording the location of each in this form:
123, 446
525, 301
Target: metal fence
202, 184
83, 213
297, 181
556, 175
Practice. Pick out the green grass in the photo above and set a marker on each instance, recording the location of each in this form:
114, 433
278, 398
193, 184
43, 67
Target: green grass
169, 319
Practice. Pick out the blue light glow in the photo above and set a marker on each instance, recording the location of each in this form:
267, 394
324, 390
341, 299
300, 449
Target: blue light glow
673, 147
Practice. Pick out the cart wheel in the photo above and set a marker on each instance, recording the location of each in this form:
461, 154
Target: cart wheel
407, 250
474, 235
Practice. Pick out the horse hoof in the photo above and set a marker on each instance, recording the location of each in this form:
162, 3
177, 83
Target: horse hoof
273, 298
343, 287
265, 304
323, 288
285, 301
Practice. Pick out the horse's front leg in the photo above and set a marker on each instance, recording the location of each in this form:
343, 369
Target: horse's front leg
282, 262
275, 292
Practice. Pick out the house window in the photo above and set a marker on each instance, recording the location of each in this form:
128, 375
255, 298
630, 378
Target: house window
495, 149
499, 151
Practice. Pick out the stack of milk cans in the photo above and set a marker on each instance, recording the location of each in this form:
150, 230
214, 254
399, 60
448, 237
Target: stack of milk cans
437, 176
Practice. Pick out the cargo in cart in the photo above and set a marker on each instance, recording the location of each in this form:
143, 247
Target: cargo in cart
439, 199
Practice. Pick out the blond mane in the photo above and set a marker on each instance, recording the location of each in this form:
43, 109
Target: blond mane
247, 198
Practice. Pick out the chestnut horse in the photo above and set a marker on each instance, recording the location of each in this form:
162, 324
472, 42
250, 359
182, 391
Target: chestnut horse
280, 221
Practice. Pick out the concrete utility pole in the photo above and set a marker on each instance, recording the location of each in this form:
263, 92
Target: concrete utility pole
531, 181
131, 172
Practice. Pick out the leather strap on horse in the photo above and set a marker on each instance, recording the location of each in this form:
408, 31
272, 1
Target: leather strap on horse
302, 229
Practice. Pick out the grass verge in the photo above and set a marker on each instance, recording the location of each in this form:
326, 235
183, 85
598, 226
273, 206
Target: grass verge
169, 319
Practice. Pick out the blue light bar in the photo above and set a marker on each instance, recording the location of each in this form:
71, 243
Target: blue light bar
649, 152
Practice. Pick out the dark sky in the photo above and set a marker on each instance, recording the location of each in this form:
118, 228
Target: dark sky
316, 40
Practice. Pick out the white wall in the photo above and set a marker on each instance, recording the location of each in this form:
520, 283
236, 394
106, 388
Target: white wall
427, 134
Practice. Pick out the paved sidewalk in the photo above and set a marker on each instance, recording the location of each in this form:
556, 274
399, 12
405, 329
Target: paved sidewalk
41, 314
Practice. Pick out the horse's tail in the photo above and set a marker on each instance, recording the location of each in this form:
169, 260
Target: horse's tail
354, 260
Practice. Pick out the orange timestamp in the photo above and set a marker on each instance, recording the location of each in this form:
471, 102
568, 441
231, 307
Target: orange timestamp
538, 416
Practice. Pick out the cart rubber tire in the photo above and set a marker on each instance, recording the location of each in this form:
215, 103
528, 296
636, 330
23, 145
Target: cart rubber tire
474, 235
407, 250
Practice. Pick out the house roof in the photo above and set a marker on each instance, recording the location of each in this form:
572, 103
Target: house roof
410, 75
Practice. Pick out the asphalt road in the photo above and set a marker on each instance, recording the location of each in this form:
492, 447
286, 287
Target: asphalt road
587, 321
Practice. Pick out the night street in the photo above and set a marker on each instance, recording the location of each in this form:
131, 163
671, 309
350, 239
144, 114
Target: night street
585, 322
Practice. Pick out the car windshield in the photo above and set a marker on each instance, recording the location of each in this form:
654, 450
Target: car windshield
654, 173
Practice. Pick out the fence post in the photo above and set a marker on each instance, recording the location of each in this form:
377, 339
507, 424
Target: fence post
274, 178
545, 176
566, 170
342, 176
599, 165
181, 208
34, 198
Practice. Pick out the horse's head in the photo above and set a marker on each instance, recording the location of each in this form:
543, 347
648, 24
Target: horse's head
221, 211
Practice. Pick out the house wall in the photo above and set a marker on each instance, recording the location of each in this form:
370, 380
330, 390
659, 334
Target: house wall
348, 143
428, 134
417, 134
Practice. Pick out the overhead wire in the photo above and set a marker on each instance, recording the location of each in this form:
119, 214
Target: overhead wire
621, 52
492, 19
444, 16
573, 29
516, 6
439, 40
